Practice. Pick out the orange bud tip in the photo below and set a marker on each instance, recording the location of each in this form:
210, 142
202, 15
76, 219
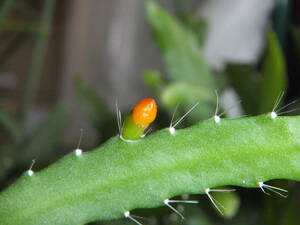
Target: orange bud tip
144, 112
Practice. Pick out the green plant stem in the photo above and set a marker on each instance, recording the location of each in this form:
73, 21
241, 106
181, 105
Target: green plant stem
120, 176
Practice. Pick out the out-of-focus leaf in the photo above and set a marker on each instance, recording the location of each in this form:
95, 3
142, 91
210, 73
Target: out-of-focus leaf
6, 160
246, 83
11, 125
154, 80
274, 211
92, 102
39, 52
249, 214
180, 48
291, 214
46, 136
296, 38
97, 110
6, 7
260, 91
184, 92
12, 47
188, 94
198, 26
195, 216
273, 73
230, 201
192, 213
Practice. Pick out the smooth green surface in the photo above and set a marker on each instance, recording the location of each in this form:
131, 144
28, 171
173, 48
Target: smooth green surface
119, 176
130, 130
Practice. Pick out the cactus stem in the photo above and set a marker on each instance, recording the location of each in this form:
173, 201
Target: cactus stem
104, 183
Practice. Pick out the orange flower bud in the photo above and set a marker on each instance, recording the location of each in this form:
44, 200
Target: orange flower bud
144, 112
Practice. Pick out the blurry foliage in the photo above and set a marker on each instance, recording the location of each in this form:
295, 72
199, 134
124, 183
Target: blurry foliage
259, 89
97, 110
20, 147
230, 202
296, 38
244, 85
154, 80
20, 143
179, 47
190, 78
187, 70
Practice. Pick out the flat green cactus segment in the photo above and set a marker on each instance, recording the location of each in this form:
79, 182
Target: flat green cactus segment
120, 176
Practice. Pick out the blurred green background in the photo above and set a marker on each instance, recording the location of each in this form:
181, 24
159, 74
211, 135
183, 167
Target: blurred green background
64, 64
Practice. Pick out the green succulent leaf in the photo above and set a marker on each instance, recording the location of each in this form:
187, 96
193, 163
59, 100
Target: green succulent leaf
120, 176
